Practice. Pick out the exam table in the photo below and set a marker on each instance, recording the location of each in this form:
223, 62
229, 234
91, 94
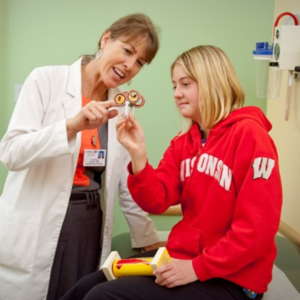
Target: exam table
285, 284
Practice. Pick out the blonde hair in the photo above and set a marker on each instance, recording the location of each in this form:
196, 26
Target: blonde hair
219, 89
134, 27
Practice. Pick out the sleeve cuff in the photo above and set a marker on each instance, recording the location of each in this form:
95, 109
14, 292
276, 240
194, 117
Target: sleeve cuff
140, 177
62, 141
200, 269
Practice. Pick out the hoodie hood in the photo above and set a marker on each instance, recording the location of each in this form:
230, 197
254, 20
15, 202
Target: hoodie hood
243, 114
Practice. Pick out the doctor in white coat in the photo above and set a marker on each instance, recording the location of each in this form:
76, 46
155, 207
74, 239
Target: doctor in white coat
41, 150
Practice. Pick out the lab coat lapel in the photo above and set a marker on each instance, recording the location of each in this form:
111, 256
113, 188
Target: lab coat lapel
112, 151
72, 102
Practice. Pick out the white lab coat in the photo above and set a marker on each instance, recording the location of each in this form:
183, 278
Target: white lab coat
36, 194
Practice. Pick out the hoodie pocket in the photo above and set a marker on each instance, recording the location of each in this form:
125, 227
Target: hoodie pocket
185, 240
18, 238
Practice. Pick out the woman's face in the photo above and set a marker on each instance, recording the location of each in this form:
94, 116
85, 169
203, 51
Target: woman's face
186, 91
120, 61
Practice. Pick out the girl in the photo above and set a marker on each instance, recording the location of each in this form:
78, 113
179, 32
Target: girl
223, 170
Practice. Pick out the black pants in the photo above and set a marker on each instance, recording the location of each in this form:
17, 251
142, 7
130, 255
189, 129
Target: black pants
96, 287
78, 249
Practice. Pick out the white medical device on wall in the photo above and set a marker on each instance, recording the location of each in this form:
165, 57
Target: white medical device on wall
262, 56
296, 94
285, 56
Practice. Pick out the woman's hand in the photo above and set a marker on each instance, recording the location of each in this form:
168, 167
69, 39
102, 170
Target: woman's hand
130, 134
155, 246
92, 115
178, 272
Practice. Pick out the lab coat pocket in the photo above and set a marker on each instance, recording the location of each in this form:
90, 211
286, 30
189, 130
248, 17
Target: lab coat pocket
185, 239
18, 238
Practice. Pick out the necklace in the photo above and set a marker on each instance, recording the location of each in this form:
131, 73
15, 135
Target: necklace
94, 141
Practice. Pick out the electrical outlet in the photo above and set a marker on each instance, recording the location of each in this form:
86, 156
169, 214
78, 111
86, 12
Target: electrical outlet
17, 90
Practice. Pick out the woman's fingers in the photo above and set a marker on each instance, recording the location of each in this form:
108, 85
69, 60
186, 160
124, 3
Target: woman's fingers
93, 115
97, 113
108, 103
112, 113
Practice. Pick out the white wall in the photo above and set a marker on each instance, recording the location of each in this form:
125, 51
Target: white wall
286, 134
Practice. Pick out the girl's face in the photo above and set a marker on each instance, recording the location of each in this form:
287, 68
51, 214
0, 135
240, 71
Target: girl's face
186, 91
120, 61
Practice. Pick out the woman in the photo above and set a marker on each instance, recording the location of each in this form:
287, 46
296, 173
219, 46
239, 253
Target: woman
223, 170
50, 212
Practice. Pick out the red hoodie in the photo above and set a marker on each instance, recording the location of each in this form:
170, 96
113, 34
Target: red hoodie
231, 196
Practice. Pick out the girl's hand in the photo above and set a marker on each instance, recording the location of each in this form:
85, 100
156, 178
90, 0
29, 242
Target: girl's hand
130, 134
93, 115
178, 272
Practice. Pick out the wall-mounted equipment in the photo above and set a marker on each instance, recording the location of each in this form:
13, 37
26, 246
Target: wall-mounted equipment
262, 56
296, 94
285, 57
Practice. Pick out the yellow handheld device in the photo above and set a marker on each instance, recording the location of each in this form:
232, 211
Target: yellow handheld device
115, 267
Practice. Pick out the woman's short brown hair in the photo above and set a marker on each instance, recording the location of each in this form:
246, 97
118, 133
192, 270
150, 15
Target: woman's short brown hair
134, 27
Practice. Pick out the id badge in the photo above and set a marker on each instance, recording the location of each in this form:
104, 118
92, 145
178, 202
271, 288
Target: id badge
94, 158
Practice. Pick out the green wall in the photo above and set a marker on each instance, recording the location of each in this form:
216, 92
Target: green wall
3, 111
38, 32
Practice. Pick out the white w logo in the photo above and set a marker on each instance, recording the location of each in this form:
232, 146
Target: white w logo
262, 167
